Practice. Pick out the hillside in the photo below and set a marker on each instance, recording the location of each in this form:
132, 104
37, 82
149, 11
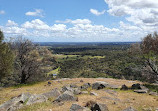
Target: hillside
113, 97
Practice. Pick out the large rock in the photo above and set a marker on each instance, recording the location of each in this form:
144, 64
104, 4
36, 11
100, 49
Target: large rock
36, 98
15, 103
139, 86
85, 86
129, 109
66, 96
54, 93
99, 85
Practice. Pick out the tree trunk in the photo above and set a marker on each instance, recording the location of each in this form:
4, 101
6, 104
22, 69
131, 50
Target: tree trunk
23, 78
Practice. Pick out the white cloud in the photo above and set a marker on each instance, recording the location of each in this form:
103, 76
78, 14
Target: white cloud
140, 12
37, 12
2, 12
35, 24
96, 12
77, 21
11, 23
81, 30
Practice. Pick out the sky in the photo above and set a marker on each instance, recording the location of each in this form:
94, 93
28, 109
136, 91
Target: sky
79, 20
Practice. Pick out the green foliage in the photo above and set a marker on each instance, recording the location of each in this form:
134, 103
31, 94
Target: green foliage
6, 58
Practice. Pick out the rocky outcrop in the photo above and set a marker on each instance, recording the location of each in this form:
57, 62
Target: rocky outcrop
23, 99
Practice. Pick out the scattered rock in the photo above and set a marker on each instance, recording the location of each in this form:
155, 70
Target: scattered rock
129, 109
124, 87
73, 86
36, 98
147, 109
141, 91
153, 93
84, 92
136, 86
81, 80
96, 106
85, 86
75, 91
65, 88
93, 93
66, 96
139, 86
54, 93
109, 98
49, 83
111, 92
113, 86
99, 107
75, 107
58, 103
15, 103
99, 85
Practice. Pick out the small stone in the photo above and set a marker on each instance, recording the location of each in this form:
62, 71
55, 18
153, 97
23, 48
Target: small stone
81, 80
129, 109
153, 93
124, 87
85, 86
93, 93
140, 91
49, 83
84, 92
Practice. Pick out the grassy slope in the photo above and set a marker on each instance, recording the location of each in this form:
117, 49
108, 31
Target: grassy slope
127, 98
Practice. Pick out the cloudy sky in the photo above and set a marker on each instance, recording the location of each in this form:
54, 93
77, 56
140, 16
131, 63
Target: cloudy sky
79, 20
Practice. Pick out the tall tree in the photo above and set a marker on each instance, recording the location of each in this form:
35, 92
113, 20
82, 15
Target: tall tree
6, 58
27, 61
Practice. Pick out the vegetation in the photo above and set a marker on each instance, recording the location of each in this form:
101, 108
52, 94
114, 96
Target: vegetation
22, 61
6, 58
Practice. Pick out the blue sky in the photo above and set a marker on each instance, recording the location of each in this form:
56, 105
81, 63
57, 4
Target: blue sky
78, 20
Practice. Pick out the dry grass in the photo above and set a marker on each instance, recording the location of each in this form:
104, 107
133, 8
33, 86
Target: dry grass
122, 99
